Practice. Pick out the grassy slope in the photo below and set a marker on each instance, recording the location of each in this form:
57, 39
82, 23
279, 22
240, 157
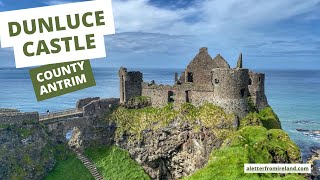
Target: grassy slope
116, 164
71, 168
68, 166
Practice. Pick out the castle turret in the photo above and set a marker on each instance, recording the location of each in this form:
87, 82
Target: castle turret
231, 90
239, 63
130, 84
256, 90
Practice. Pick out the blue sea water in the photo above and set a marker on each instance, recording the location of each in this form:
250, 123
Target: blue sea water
293, 94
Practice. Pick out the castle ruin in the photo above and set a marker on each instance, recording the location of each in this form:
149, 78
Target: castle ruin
205, 79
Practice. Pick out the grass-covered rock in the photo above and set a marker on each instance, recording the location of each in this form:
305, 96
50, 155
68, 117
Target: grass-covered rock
258, 139
115, 164
265, 117
269, 119
135, 121
251, 144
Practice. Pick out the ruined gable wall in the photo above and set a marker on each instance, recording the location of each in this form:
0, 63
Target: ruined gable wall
200, 67
256, 90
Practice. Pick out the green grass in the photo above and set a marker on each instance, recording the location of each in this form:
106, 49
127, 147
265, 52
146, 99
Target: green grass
68, 166
265, 117
116, 164
70, 169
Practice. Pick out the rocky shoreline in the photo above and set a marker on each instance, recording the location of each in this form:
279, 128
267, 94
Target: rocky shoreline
310, 133
314, 160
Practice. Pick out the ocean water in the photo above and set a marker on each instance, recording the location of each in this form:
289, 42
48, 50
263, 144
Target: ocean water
293, 94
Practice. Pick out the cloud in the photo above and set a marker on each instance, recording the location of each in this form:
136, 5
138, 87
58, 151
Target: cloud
212, 16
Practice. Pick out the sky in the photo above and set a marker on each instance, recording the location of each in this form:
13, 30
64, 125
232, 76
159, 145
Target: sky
273, 34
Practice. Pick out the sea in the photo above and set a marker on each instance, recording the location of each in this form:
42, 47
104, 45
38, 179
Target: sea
293, 94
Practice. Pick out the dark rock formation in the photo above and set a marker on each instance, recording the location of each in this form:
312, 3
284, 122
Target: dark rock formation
171, 152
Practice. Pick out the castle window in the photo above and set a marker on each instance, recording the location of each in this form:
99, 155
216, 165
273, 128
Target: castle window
187, 96
190, 77
170, 96
250, 81
216, 81
259, 79
242, 91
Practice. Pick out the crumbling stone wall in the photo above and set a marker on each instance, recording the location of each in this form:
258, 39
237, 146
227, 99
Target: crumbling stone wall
82, 102
158, 93
196, 95
11, 118
7, 110
256, 90
100, 107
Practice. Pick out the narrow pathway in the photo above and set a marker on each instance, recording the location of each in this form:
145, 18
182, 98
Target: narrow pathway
89, 165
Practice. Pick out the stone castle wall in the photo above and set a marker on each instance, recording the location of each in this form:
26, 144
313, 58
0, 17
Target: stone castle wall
7, 110
256, 90
83, 102
100, 107
196, 95
18, 117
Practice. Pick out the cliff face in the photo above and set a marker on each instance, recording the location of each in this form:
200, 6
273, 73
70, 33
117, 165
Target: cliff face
171, 152
168, 143
25, 152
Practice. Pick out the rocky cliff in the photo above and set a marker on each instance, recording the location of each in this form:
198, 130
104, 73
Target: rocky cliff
25, 151
171, 144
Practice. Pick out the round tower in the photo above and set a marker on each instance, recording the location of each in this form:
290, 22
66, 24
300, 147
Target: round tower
231, 90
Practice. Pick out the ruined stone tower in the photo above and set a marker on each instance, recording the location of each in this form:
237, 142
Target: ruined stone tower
256, 90
130, 84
